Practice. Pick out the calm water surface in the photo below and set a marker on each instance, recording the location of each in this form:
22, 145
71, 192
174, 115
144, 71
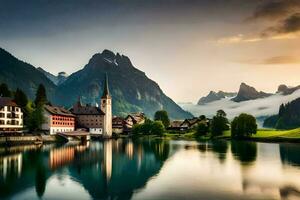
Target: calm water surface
151, 169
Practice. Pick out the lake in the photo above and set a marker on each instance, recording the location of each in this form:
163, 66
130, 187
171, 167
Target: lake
151, 169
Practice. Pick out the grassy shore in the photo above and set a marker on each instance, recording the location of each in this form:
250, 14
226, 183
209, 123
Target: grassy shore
263, 135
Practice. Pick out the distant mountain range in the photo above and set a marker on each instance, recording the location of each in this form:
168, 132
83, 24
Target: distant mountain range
131, 89
245, 93
58, 79
215, 96
247, 100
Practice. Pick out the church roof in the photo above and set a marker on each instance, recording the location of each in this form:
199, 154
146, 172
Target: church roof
86, 110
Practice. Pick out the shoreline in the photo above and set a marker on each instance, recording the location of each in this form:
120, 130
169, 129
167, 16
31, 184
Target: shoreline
47, 139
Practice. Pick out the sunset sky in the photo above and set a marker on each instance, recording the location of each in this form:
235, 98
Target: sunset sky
188, 47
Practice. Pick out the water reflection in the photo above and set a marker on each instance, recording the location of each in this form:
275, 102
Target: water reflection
290, 154
245, 152
109, 169
151, 169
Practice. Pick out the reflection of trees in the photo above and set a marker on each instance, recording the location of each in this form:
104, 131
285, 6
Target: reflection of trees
290, 154
31, 161
245, 152
40, 181
220, 149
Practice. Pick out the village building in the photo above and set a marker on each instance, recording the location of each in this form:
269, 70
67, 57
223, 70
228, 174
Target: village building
187, 124
190, 123
132, 119
117, 125
176, 125
11, 116
96, 120
57, 120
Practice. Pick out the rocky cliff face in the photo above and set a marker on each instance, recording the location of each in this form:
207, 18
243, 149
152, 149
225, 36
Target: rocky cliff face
131, 89
247, 92
215, 96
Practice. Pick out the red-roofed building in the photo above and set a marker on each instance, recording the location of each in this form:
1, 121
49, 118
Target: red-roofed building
58, 120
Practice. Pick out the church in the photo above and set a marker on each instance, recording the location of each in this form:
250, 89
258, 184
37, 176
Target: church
96, 120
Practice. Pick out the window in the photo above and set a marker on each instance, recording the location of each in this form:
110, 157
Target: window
2, 122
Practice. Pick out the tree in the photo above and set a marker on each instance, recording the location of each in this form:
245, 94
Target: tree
36, 119
202, 117
202, 129
162, 116
219, 123
243, 126
20, 98
41, 96
4, 90
157, 128
149, 128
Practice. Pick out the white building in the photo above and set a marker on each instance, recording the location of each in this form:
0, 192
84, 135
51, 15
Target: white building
11, 116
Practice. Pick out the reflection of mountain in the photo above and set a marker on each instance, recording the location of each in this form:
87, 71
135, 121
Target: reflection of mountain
289, 154
131, 166
109, 169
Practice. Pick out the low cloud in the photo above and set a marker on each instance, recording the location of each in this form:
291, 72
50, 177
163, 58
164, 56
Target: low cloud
259, 107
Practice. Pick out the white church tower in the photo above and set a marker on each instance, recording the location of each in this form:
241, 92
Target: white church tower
106, 107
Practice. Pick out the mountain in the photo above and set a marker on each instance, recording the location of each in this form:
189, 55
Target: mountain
285, 90
18, 74
215, 96
247, 92
57, 80
131, 89
288, 116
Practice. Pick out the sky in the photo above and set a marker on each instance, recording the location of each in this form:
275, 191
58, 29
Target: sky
188, 47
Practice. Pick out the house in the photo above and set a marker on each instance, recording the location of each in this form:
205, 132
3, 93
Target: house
190, 123
11, 116
132, 119
117, 124
176, 125
57, 119
96, 120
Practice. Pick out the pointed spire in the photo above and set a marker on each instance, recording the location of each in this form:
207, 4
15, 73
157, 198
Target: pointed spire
106, 93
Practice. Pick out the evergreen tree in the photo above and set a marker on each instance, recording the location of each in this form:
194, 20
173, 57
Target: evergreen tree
20, 98
4, 90
36, 119
162, 116
41, 96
